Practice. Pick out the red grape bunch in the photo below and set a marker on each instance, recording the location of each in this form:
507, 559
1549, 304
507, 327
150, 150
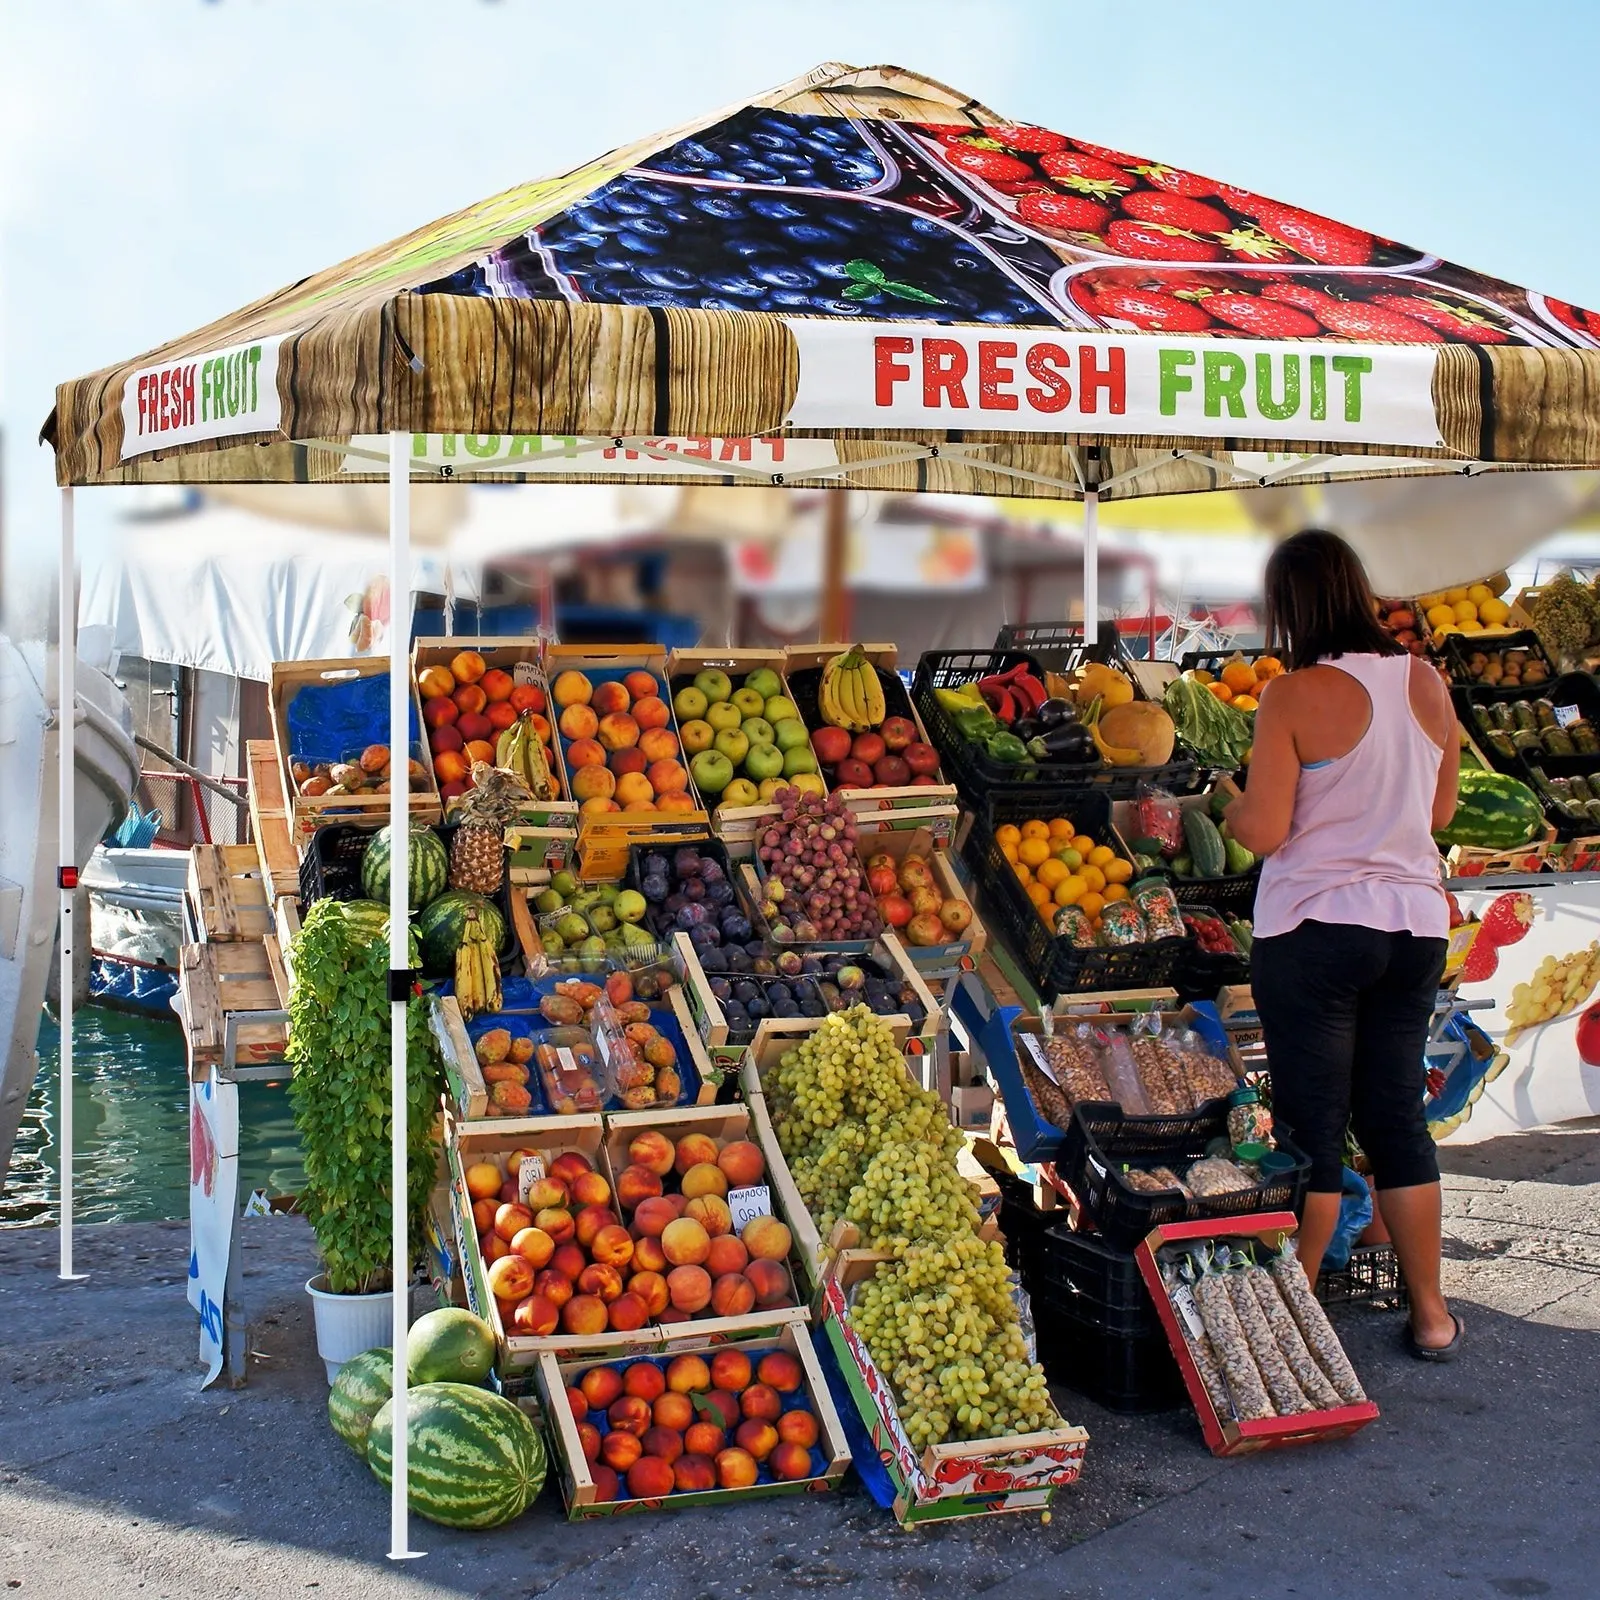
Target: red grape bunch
815, 887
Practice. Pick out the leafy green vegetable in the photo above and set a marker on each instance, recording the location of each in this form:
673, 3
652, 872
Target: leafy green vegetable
1218, 735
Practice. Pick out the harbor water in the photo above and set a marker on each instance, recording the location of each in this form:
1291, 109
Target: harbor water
131, 1110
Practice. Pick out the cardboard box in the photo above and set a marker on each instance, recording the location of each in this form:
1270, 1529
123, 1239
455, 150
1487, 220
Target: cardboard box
937, 960
831, 1454
971, 1478
1227, 1436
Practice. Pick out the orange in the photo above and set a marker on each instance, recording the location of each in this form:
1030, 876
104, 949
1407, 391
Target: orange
1033, 828
1039, 895
1244, 702
1239, 676
1051, 873
1024, 876
1007, 833
1118, 871
1115, 891
1202, 676
1268, 667
1070, 891
1101, 854
1092, 904
1008, 848
1032, 851
1083, 844
1221, 691
1094, 877
1060, 828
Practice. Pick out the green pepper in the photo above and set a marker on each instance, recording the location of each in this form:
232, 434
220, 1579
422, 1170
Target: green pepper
1006, 748
976, 724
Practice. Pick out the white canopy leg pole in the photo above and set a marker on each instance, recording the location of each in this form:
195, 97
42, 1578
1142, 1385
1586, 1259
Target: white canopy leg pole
399, 965
1091, 566
67, 867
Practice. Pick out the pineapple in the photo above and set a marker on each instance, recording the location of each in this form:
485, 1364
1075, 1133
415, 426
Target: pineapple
477, 853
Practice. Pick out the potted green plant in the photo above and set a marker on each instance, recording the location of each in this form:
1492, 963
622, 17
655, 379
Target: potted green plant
339, 1093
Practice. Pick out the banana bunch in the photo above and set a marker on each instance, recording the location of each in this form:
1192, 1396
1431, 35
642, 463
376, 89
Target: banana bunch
477, 970
520, 751
851, 693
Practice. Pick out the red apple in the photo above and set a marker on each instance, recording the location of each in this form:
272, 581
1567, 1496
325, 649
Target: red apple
891, 772
898, 732
831, 745
868, 747
853, 774
923, 759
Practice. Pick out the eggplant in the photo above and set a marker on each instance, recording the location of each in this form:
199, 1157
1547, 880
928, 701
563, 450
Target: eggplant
1056, 711
1027, 728
1067, 741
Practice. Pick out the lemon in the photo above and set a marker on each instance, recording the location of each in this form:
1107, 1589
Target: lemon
1471, 625
1438, 616
1033, 852
1455, 595
1094, 877
1101, 854
1070, 891
1477, 593
1118, 871
1115, 891
1466, 611
1035, 829
1092, 904
1007, 833
1051, 873
1494, 612
1083, 844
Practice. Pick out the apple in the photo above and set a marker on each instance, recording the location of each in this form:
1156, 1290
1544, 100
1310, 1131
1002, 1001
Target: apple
690, 703
868, 747
788, 735
713, 684
853, 774
732, 743
721, 714
921, 758
712, 771
764, 682
741, 792
798, 760
765, 761
898, 732
891, 772
780, 708
749, 701
832, 745
696, 735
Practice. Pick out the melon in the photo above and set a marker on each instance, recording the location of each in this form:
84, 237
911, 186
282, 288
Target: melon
429, 866
450, 1346
359, 1391
444, 922
475, 1460
1140, 725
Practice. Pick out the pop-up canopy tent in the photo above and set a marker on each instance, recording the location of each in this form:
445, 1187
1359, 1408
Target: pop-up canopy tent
861, 278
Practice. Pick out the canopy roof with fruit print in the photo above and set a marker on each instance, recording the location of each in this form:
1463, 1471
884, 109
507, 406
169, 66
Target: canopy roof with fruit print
864, 277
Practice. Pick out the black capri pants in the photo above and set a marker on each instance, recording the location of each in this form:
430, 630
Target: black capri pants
1344, 1013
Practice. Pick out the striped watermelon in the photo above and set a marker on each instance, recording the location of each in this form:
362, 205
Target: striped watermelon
429, 864
371, 921
450, 1346
359, 1391
443, 922
476, 1461
1493, 812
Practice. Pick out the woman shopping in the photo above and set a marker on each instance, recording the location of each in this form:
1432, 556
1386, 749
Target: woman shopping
1354, 765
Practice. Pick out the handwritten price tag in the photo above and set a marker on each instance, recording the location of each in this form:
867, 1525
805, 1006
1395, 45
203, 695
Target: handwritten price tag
1567, 715
525, 674
1036, 1050
1183, 1304
530, 1170
756, 1201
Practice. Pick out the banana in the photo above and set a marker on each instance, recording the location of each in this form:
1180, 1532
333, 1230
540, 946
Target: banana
833, 710
850, 700
876, 707
505, 748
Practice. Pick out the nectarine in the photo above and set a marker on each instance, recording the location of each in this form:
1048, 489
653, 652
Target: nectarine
779, 1370
694, 1148
773, 1285
722, 1407
658, 744
757, 1436
607, 1485
601, 1281
484, 1179
510, 1278
618, 731
577, 1403
711, 1212
578, 722
620, 1449
584, 1313
555, 1286
651, 1150
685, 1242
547, 1194
627, 1313
493, 1247
673, 1410
650, 711
652, 1215
704, 1439
766, 1239
726, 1255
742, 1163
589, 1223
798, 1427
569, 1260
762, 1401
613, 1245
589, 1441
688, 1375
689, 1288
644, 1379
590, 782
497, 685
510, 1219
648, 1256
468, 666
535, 1246
470, 700
601, 1386
611, 697
635, 1184
736, 1468
640, 683
568, 1167
630, 1413
667, 776
650, 1478
666, 1444
483, 1214
730, 1369
536, 1317
790, 1462
629, 760
571, 688
558, 1224
434, 682
589, 1189
585, 753
694, 1473
634, 790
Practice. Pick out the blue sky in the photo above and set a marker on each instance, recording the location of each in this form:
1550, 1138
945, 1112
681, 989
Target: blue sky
163, 161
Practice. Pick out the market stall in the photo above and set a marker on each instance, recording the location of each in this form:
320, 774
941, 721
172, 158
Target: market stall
827, 286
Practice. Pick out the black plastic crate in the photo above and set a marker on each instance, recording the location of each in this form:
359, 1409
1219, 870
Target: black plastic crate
1053, 965
1059, 646
1213, 661
1129, 1375
1202, 973
1371, 1278
1102, 1139
1233, 896
1458, 647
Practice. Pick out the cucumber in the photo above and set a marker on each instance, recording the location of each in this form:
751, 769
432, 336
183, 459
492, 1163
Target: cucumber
1205, 844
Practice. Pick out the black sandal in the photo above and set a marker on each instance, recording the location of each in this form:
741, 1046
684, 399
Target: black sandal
1443, 1352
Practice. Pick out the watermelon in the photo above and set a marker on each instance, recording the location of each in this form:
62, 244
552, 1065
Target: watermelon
371, 922
476, 1461
429, 864
450, 1346
359, 1391
444, 921
1493, 812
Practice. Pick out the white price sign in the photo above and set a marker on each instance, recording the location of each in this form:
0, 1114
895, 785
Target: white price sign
530, 1170
756, 1201
1567, 715
1036, 1050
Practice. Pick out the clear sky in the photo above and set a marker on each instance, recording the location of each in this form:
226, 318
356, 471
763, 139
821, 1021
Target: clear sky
164, 161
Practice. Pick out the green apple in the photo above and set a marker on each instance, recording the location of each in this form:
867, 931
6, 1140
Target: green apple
741, 792
714, 685
790, 734
801, 759
696, 735
712, 771
723, 714
764, 761
781, 709
765, 682
732, 744
547, 901
689, 703
758, 730
808, 783
564, 885
749, 701
631, 906
769, 787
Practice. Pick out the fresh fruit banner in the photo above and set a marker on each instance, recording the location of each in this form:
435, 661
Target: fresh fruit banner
1537, 956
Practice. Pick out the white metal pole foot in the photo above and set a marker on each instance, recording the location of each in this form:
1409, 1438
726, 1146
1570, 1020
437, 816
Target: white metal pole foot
66, 866
1091, 566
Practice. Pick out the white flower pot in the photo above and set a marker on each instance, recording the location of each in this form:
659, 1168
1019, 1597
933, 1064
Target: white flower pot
348, 1324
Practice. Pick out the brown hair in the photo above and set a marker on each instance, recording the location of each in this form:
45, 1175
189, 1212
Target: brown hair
1319, 603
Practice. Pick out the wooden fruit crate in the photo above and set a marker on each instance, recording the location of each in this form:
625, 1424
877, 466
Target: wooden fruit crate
972, 1478
240, 978
307, 813
960, 950
269, 818
227, 893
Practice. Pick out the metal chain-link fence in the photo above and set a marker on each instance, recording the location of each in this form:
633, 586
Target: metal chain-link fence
192, 814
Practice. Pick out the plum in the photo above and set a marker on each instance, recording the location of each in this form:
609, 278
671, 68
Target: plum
694, 889
779, 991
746, 991
686, 863
711, 871
718, 894
735, 1015
655, 890
738, 960
759, 1007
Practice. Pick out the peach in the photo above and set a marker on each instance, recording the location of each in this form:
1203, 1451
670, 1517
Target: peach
688, 1375
510, 1219
673, 1314
577, 1403
694, 1148
477, 750
601, 1386
659, 744
471, 726
535, 1246
593, 783
722, 1408
779, 1370
711, 1212
590, 1222
578, 722
603, 1282
555, 1286
571, 689
651, 1150
483, 1214
766, 1239
508, 1312
628, 761
694, 1473
611, 697
618, 731
450, 766
607, 1485
645, 1379
493, 1247
629, 1413
798, 1427
704, 1439
689, 1288
678, 1203
627, 1313
445, 737
497, 685
650, 1478
665, 1444
510, 1278
733, 1295
757, 1436
589, 1441
568, 1167
762, 1402
569, 1260
771, 1278
651, 1288
726, 1255
730, 1369
742, 1163
589, 1189
685, 1243
667, 777
597, 805
434, 682
440, 712
470, 700
612, 1246
501, 715
635, 1184
652, 1216
675, 800
585, 753
790, 1462
641, 804
704, 1178
673, 1410
620, 1449
468, 666
640, 683
536, 1316
650, 711
736, 1468
648, 1256
584, 1313
484, 1179
547, 1194
633, 790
